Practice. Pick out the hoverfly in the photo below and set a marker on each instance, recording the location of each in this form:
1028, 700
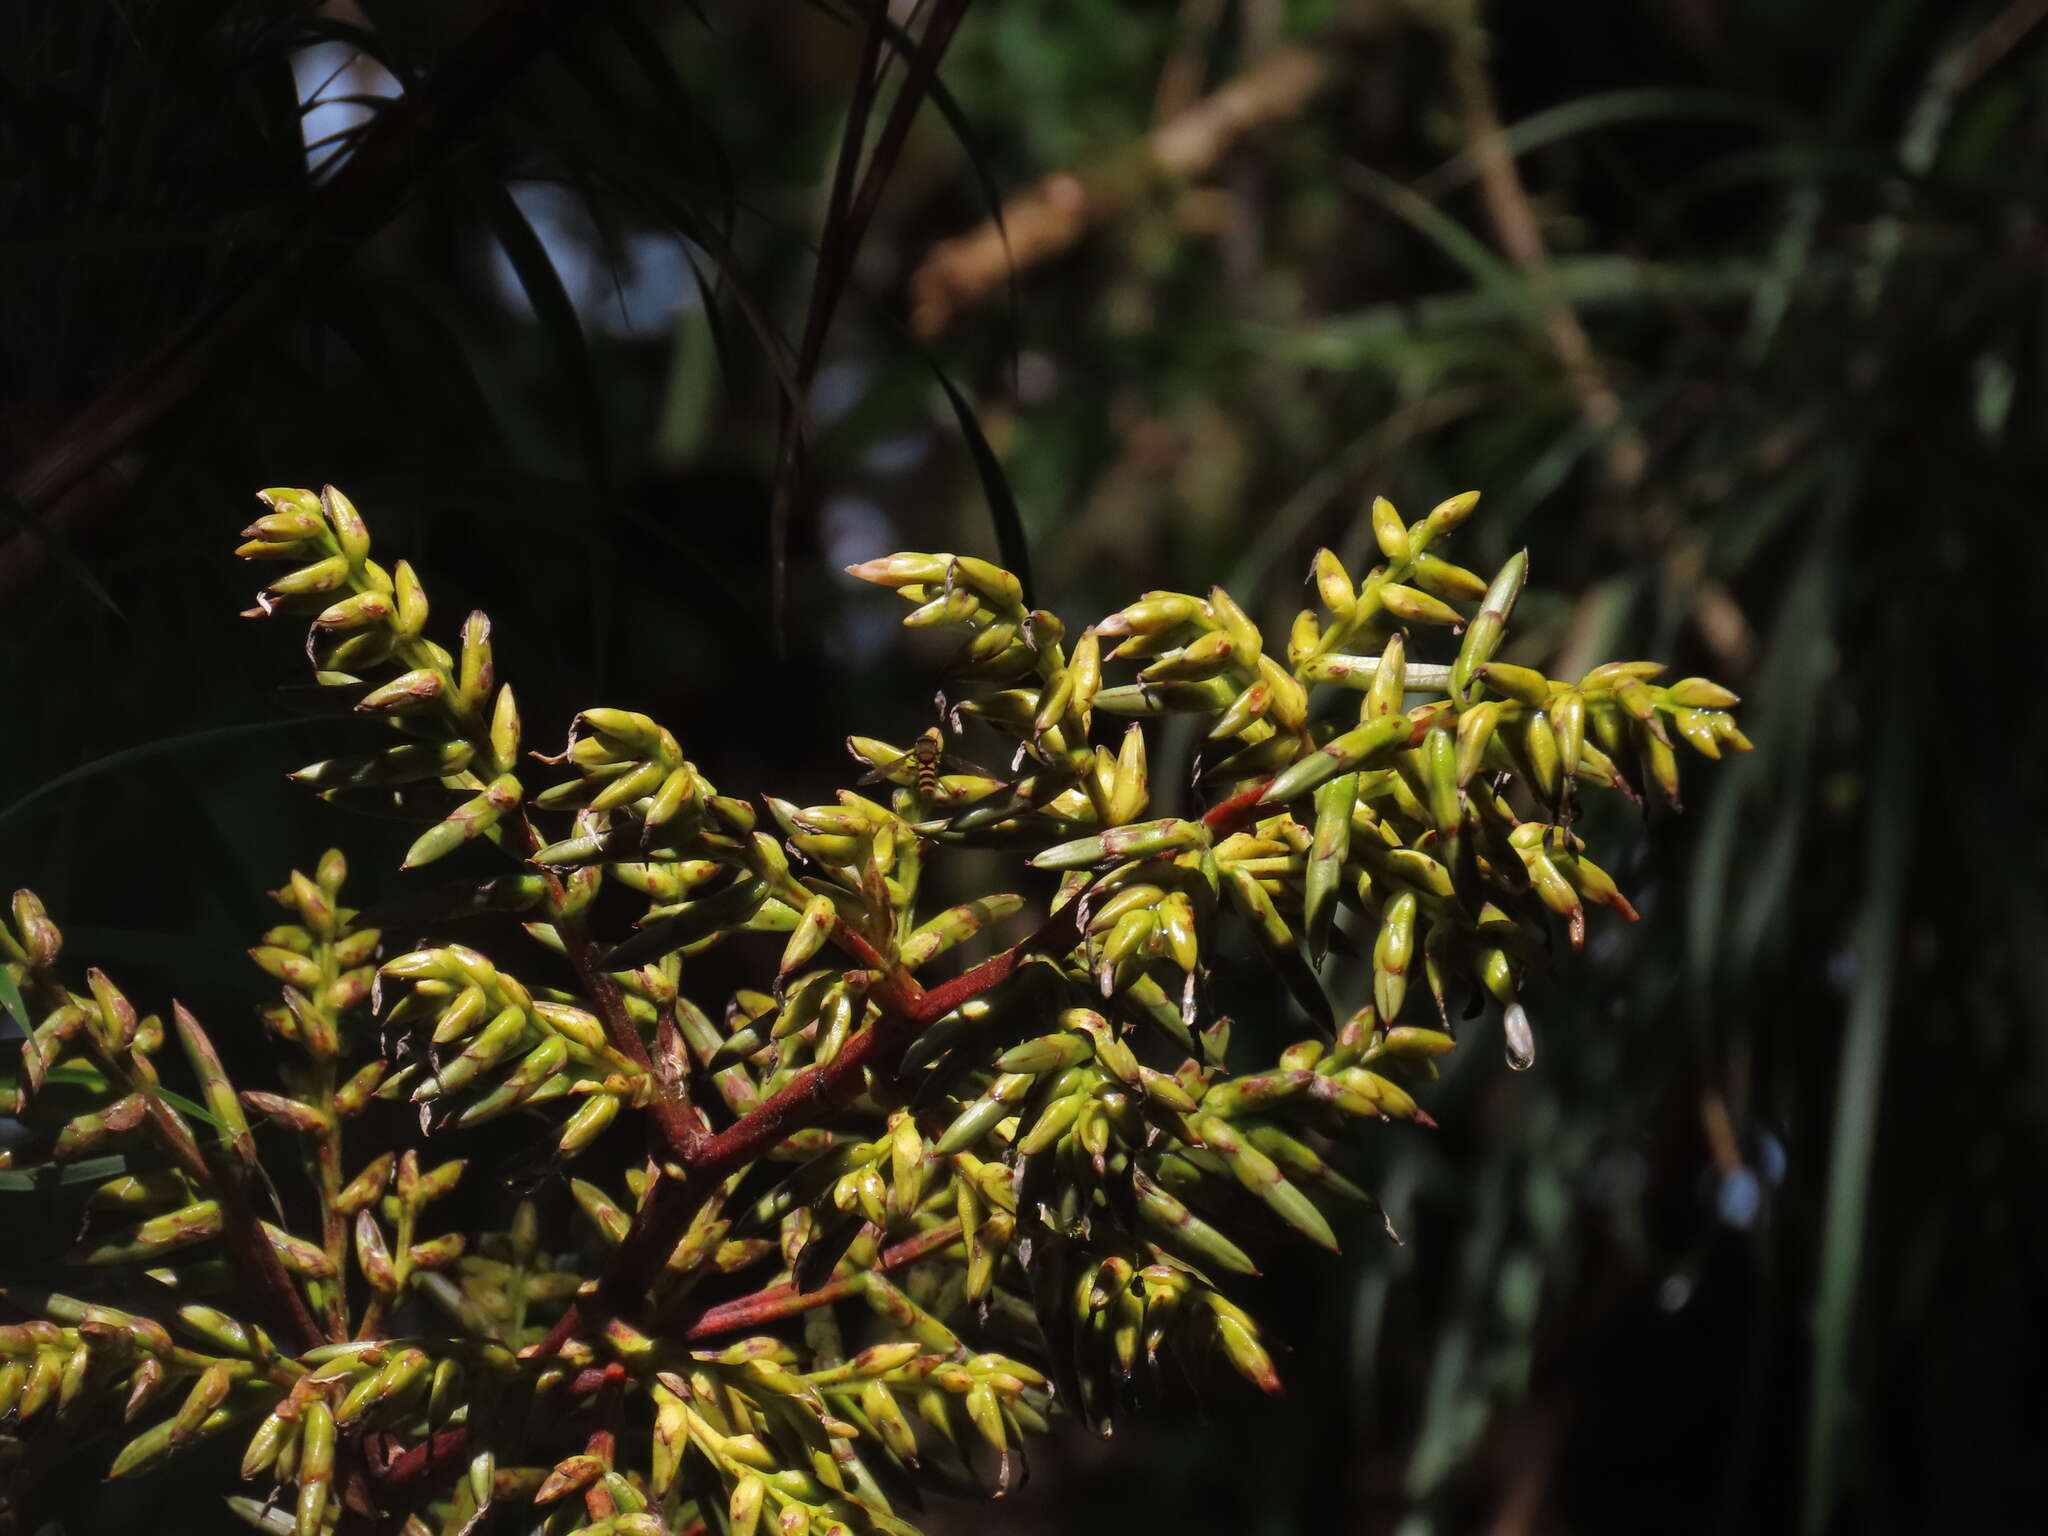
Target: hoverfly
937, 776
926, 753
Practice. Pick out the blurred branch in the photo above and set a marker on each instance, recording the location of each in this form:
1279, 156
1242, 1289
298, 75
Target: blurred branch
1180, 77
1533, 1437
1625, 452
2000, 36
779, 1301
357, 201
1049, 218
1516, 226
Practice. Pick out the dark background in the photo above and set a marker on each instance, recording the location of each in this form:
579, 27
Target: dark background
1758, 1245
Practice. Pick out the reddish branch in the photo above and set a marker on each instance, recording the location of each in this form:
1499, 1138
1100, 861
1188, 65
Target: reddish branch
250, 1250
442, 1454
224, 1176
707, 1159
250, 1247
1236, 813
941, 1000
681, 1127
780, 1301
811, 1098
1245, 807
446, 1452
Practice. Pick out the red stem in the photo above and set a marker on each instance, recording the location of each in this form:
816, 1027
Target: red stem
672, 1203
815, 1093
1244, 807
780, 1301
674, 1115
681, 1127
1236, 813
449, 1448
446, 1451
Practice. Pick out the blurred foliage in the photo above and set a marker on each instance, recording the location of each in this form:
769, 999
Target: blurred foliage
1755, 1247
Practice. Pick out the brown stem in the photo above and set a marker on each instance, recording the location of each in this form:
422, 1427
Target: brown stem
248, 1246
333, 1225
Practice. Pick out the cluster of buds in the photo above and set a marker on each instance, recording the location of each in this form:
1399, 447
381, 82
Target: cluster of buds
1040, 1176
368, 647
779, 1435
1444, 824
468, 1019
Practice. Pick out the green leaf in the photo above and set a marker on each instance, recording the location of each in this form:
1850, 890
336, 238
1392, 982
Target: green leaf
672, 97
556, 315
11, 1001
1458, 243
179, 1102
52, 1176
164, 746
1860, 1084
1604, 109
78, 1075
1011, 543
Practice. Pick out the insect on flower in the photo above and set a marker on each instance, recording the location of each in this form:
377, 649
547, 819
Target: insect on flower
938, 777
